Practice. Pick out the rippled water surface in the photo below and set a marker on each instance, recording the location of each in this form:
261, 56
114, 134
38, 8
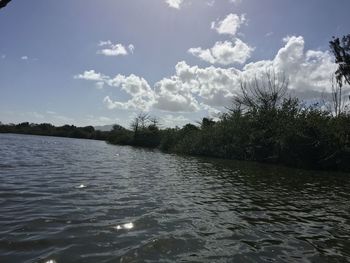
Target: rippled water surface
66, 200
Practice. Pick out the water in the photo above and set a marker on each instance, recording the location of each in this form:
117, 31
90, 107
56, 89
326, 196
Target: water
67, 200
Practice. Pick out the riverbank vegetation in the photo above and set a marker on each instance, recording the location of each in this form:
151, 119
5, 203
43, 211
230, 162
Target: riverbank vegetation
47, 129
265, 124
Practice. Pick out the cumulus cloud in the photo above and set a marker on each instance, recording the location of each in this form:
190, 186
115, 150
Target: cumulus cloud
110, 49
224, 53
174, 3
173, 96
193, 88
24, 57
229, 25
91, 75
308, 70
142, 96
212, 85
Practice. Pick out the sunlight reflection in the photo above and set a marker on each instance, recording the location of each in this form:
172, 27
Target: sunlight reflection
81, 186
126, 226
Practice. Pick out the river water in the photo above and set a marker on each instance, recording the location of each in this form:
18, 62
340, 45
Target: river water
67, 200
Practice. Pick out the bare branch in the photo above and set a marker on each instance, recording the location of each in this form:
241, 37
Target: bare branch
265, 92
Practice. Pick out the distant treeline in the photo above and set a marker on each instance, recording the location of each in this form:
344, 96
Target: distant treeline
47, 129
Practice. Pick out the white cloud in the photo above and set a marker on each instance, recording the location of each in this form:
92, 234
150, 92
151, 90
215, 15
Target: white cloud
104, 43
193, 88
142, 96
212, 112
308, 70
91, 75
174, 3
110, 49
224, 53
229, 25
173, 96
3, 56
213, 86
24, 57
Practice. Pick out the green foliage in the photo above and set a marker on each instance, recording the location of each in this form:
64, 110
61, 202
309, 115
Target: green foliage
119, 135
289, 135
286, 134
147, 137
263, 125
47, 129
340, 47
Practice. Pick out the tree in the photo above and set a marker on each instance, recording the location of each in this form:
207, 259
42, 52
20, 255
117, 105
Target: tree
207, 123
3, 3
140, 122
154, 123
341, 50
338, 99
264, 92
117, 127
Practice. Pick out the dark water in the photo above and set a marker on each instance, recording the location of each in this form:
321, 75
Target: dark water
67, 200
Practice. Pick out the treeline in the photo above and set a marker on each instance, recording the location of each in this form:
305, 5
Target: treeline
279, 131
264, 124
287, 134
290, 135
47, 129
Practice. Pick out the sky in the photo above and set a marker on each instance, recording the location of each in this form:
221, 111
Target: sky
89, 62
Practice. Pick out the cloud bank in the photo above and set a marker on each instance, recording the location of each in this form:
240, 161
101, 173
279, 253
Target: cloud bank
193, 88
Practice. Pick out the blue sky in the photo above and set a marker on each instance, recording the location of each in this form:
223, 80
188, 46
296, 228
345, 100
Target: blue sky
89, 62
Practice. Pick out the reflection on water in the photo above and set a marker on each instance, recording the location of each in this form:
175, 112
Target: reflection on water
66, 200
125, 226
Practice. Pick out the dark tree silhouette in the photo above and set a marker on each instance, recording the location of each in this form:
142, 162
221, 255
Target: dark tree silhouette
265, 92
3, 3
341, 50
